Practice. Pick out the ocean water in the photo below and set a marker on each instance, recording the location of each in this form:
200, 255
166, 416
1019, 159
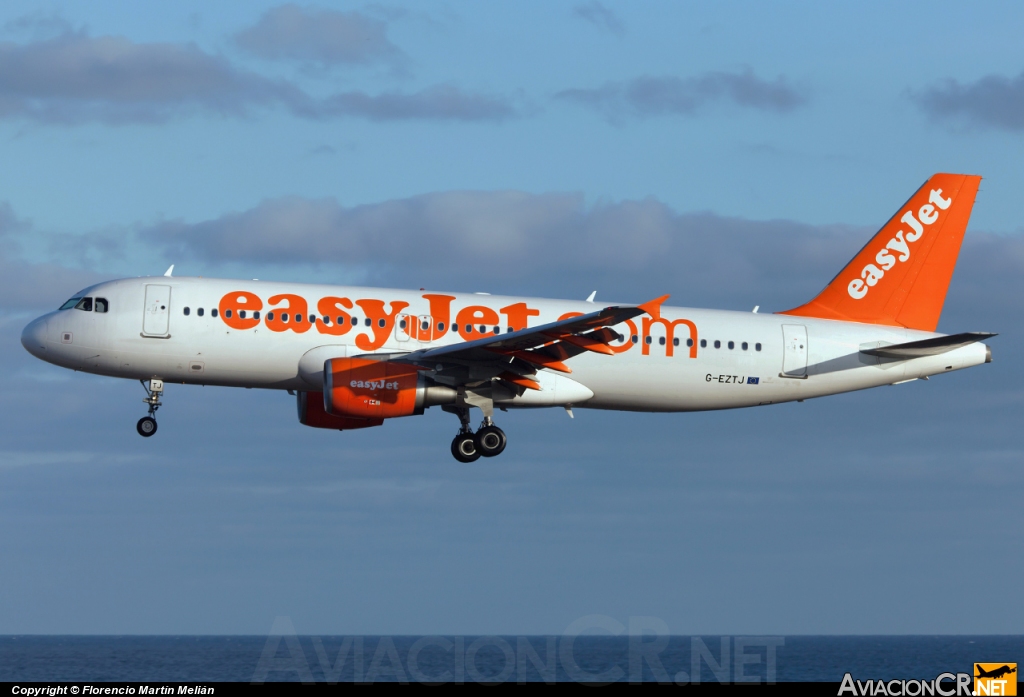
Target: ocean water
494, 659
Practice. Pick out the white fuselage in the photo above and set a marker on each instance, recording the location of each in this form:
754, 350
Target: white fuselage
772, 359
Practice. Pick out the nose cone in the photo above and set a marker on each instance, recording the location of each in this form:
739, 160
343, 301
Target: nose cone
33, 337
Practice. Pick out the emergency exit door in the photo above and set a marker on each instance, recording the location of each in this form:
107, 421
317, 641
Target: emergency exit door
411, 326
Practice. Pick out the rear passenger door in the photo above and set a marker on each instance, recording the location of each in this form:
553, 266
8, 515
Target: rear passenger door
794, 358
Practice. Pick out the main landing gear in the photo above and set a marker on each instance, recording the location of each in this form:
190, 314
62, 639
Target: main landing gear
489, 440
154, 390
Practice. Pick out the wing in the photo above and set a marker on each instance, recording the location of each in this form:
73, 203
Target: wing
515, 357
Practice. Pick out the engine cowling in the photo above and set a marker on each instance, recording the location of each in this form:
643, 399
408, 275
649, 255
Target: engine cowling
378, 389
311, 413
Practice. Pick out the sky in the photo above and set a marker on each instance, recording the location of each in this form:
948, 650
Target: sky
732, 154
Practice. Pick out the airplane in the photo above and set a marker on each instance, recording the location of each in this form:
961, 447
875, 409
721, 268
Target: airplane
354, 356
995, 673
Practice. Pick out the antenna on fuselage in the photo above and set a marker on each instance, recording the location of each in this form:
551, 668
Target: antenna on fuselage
168, 271
590, 298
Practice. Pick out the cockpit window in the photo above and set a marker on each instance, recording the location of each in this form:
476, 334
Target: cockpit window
84, 304
101, 305
70, 303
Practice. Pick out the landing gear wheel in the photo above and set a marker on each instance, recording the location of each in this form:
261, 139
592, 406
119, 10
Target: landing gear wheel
464, 448
490, 441
146, 426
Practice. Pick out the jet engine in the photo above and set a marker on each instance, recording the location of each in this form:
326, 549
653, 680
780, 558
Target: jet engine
311, 413
364, 388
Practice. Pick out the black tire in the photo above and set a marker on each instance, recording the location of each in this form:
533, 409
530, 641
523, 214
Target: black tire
490, 441
464, 448
146, 426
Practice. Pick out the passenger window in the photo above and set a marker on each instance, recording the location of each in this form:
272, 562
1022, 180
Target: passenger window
647, 340
509, 330
256, 314
744, 345
298, 318
341, 321
84, 304
241, 314
355, 321
227, 313
213, 312
483, 329
689, 342
757, 347
199, 312
270, 316
675, 341
401, 325
731, 346
381, 323
497, 330
440, 326
367, 322
635, 339
312, 319
284, 316
469, 328
703, 343
327, 320
101, 305
186, 311
661, 340
718, 344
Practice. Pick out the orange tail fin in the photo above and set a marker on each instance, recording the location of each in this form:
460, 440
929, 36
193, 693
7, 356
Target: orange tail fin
901, 276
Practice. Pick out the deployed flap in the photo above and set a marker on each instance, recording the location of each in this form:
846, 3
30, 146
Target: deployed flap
901, 276
928, 347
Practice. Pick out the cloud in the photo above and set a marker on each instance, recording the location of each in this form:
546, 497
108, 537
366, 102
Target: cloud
508, 241
318, 36
38, 24
655, 96
600, 16
988, 287
26, 285
518, 243
993, 101
556, 245
437, 103
74, 78
936, 461
9, 222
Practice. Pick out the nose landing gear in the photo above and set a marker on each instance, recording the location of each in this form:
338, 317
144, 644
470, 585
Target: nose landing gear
488, 441
154, 390
146, 426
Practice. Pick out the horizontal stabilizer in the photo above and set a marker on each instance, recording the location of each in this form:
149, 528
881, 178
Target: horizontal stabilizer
928, 347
